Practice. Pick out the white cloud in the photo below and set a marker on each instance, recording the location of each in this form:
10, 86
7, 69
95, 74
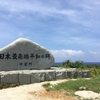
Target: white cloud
36, 7
84, 13
67, 52
62, 55
97, 53
73, 55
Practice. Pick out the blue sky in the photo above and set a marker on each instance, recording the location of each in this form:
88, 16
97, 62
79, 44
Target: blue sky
70, 29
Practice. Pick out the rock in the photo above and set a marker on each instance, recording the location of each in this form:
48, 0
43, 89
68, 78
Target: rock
88, 95
61, 74
72, 74
24, 54
37, 76
86, 74
9, 78
80, 74
24, 77
50, 75
82, 88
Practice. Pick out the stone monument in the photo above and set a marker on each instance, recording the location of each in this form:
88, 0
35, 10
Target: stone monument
24, 54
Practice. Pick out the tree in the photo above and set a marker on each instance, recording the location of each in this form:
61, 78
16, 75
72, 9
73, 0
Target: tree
66, 63
76, 64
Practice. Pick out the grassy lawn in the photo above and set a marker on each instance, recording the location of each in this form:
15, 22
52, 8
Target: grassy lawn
69, 87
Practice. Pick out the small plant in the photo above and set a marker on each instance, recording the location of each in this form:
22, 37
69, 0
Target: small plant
48, 86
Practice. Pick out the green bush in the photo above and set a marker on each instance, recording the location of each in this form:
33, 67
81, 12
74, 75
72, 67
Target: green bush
69, 64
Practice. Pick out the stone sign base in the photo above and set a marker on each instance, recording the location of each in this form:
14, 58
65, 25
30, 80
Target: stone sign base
36, 76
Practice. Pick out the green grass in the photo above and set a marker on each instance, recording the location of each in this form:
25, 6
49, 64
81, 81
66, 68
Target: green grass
88, 99
2, 86
71, 86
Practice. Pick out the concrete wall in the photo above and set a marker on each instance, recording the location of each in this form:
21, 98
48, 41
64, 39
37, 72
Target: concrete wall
36, 76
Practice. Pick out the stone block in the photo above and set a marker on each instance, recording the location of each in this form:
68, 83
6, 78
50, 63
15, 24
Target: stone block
24, 78
61, 74
72, 74
86, 74
79, 73
0, 78
50, 75
37, 76
9, 78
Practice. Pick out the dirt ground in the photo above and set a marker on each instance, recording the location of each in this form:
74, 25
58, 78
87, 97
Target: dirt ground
32, 92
